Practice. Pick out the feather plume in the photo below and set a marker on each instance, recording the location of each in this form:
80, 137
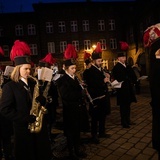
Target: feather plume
49, 59
98, 48
87, 55
70, 52
19, 48
1, 51
123, 45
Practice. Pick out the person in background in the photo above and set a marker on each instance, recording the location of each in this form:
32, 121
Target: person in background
6, 131
49, 89
125, 95
137, 72
97, 88
16, 103
88, 63
73, 103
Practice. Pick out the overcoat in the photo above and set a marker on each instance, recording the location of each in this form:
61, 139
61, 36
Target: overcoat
97, 88
74, 110
15, 105
125, 94
154, 79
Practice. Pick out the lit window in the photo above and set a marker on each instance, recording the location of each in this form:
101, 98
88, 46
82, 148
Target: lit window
33, 48
103, 44
112, 25
87, 44
62, 26
31, 29
19, 30
51, 47
101, 25
85, 24
49, 27
63, 45
113, 43
76, 45
74, 26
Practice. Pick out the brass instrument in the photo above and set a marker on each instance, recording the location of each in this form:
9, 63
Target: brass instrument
36, 110
45, 92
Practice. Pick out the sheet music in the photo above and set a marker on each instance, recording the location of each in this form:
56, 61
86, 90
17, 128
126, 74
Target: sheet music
116, 84
8, 70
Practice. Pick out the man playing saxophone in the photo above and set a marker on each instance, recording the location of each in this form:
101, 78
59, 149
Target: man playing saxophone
16, 103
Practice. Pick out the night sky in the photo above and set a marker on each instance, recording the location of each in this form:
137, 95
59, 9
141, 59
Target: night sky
26, 5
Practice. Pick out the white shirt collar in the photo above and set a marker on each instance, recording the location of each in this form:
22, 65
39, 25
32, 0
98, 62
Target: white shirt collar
70, 75
122, 63
24, 80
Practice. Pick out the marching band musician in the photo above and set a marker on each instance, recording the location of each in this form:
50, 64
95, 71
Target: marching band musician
96, 85
16, 103
71, 95
6, 133
52, 92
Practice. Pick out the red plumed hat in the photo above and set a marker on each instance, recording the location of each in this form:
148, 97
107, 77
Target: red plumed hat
20, 53
86, 55
123, 45
70, 55
1, 51
97, 53
151, 34
47, 61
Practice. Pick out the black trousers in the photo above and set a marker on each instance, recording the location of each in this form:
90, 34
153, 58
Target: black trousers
98, 116
125, 114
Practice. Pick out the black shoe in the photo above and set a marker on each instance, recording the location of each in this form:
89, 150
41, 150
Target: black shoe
81, 154
104, 135
95, 140
125, 126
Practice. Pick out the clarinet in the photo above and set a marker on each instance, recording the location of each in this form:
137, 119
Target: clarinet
86, 91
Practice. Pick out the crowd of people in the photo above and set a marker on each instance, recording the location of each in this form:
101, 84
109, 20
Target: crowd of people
28, 104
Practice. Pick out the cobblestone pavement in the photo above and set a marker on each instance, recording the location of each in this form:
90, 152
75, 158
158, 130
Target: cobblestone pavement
126, 143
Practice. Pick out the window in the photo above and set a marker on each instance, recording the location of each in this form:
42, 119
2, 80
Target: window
62, 26
31, 29
113, 43
51, 47
103, 44
87, 44
49, 27
101, 25
74, 26
63, 45
85, 24
33, 48
6, 50
76, 45
19, 30
112, 24
1, 31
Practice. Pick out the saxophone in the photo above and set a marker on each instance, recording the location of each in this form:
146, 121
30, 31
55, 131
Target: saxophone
36, 110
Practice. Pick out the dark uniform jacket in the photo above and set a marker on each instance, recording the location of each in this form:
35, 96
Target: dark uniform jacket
154, 79
97, 88
125, 94
15, 105
73, 103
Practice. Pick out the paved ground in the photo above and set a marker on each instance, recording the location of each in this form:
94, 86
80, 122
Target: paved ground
126, 144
